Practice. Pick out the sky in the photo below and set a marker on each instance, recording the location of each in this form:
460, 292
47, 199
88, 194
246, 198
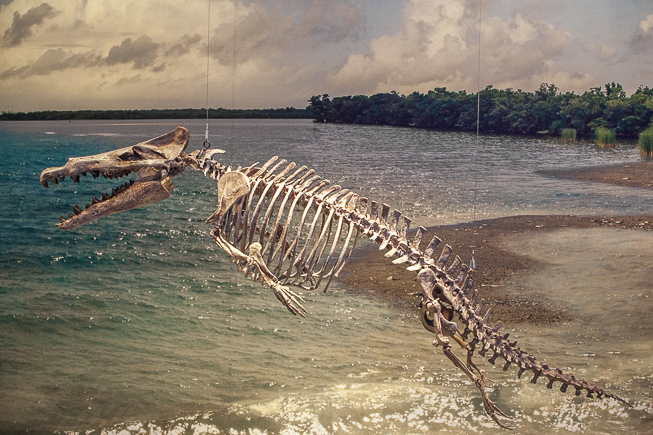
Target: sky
127, 54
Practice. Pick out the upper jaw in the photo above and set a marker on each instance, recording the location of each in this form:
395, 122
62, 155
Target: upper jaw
155, 162
154, 153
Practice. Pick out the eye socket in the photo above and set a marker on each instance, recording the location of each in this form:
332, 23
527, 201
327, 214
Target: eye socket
140, 153
128, 156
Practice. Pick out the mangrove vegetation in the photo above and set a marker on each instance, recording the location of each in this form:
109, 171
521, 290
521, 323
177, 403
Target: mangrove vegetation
645, 142
508, 111
220, 113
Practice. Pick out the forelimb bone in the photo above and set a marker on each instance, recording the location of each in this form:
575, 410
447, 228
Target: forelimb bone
231, 187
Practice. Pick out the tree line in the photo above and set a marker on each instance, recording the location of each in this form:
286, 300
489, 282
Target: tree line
220, 113
501, 111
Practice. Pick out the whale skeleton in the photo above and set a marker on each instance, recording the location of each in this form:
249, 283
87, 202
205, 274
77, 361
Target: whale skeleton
285, 226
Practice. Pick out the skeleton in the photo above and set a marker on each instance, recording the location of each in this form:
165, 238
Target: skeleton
298, 230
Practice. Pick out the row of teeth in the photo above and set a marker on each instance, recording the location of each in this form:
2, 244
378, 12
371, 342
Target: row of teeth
77, 210
95, 174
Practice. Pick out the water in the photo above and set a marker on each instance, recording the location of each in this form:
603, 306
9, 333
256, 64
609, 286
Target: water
138, 323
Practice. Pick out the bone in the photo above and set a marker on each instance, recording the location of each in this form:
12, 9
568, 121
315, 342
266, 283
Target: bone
283, 173
246, 212
305, 176
282, 243
381, 227
301, 257
272, 240
373, 218
341, 257
254, 219
321, 244
454, 266
263, 171
363, 207
446, 252
333, 248
268, 213
349, 199
391, 234
240, 217
422, 259
291, 254
289, 180
432, 246
353, 246
461, 276
270, 173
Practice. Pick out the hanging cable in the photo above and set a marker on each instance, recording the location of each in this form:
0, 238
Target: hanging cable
478, 109
233, 67
472, 262
206, 144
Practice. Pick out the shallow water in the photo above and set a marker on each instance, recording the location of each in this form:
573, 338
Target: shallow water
139, 323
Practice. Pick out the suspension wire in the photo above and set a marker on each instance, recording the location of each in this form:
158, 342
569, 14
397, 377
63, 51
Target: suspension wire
206, 144
478, 108
472, 263
233, 67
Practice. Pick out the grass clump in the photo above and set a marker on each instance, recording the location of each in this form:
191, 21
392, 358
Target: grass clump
646, 143
605, 136
569, 134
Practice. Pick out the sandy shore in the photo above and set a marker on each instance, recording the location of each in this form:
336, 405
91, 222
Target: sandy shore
370, 274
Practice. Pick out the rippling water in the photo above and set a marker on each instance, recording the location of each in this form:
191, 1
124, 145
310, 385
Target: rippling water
139, 323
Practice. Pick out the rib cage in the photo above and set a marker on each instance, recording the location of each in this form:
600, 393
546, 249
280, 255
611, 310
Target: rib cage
303, 223
306, 229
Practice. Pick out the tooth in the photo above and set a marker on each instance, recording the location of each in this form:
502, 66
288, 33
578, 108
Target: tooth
95, 200
84, 173
75, 178
44, 183
76, 209
105, 197
70, 215
63, 177
95, 174
62, 219
88, 206
55, 181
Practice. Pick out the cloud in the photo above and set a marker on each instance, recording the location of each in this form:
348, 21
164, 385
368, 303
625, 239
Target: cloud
184, 45
21, 27
270, 35
53, 60
142, 51
642, 40
438, 46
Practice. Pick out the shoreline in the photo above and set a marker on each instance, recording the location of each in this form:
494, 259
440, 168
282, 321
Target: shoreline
370, 274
